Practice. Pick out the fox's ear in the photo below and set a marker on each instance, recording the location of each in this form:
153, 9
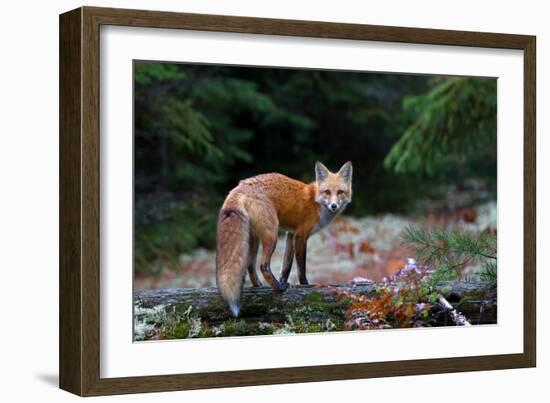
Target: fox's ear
321, 172
346, 171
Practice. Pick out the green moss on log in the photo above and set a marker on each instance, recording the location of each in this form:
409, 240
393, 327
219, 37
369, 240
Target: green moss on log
191, 313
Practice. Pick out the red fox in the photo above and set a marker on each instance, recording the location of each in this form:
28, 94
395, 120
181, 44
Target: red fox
252, 214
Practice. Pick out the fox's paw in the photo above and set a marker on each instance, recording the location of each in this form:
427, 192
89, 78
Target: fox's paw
284, 286
303, 281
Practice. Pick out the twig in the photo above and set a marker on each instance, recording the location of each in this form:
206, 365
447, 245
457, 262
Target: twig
487, 256
457, 317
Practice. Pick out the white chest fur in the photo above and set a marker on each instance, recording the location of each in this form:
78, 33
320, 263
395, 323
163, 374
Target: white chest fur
325, 217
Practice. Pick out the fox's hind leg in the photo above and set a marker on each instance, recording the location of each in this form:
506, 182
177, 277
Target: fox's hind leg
288, 258
251, 262
268, 247
267, 229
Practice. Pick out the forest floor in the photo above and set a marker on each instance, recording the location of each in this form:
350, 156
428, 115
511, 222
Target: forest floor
350, 248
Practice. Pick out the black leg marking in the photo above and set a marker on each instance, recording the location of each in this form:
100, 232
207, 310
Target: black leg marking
288, 258
300, 245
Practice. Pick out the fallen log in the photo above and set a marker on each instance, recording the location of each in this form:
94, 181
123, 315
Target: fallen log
314, 304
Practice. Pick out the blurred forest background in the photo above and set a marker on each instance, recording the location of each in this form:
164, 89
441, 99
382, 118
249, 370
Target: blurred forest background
423, 149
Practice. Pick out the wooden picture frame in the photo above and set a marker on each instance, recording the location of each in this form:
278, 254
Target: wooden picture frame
79, 200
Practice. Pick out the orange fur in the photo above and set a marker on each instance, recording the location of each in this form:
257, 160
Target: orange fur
253, 212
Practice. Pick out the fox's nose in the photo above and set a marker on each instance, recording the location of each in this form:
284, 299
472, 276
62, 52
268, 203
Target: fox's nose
333, 206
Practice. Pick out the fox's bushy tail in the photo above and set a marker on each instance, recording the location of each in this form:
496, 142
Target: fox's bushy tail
232, 245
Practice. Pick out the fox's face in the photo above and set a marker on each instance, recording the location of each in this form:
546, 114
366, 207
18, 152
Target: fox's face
333, 189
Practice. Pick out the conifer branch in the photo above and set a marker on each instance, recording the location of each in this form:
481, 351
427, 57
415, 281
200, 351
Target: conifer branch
449, 251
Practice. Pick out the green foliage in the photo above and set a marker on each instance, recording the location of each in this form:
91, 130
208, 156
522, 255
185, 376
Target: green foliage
489, 271
199, 129
449, 251
146, 73
164, 230
176, 120
453, 123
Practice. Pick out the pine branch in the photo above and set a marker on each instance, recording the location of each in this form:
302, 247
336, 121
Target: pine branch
449, 251
439, 243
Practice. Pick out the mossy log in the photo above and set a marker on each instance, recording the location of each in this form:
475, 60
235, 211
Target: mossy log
476, 300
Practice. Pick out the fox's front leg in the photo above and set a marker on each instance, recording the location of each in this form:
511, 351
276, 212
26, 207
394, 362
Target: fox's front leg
300, 245
288, 258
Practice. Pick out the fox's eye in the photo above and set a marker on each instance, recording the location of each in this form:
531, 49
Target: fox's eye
340, 192
327, 192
